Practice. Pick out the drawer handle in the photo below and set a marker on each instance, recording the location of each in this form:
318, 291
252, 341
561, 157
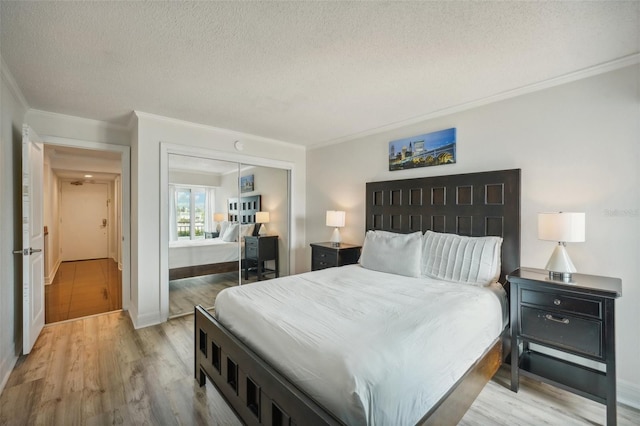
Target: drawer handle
557, 302
560, 320
323, 255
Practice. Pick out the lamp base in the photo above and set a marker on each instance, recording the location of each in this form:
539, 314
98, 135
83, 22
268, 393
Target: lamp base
335, 238
263, 230
561, 276
560, 266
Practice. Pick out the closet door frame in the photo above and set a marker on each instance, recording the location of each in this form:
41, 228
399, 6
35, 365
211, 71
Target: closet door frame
244, 160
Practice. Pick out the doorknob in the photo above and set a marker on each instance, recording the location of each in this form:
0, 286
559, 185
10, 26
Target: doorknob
28, 251
104, 222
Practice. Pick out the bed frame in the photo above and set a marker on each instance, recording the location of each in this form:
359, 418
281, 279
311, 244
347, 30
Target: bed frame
242, 210
475, 204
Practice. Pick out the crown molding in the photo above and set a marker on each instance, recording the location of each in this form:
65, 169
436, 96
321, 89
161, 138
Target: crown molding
233, 133
75, 118
530, 88
11, 83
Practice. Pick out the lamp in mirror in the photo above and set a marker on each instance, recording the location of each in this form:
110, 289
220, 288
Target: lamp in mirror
562, 227
335, 219
262, 218
218, 217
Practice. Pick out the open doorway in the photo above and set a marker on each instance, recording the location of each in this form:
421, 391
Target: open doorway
83, 232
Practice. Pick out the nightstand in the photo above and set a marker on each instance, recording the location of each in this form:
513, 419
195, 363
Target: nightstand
257, 250
575, 317
326, 255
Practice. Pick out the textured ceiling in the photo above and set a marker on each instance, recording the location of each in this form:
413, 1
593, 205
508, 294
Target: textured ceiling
302, 72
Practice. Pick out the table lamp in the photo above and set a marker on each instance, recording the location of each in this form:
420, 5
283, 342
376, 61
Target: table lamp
218, 217
563, 227
335, 219
262, 218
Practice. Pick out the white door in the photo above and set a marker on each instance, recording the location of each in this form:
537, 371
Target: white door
32, 239
84, 213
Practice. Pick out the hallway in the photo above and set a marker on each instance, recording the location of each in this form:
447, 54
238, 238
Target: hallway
83, 288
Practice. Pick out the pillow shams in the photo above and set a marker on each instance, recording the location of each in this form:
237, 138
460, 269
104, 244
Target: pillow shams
246, 230
224, 225
231, 233
471, 260
392, 253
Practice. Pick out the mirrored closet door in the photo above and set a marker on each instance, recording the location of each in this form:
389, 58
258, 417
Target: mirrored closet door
228, 225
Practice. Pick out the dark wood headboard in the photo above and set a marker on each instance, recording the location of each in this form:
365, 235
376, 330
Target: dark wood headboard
244, 209
472, 204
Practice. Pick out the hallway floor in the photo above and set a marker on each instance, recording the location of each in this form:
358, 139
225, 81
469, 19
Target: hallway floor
83, 288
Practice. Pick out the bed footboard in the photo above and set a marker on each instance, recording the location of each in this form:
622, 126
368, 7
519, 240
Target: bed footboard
262, 396
453, 405
257, 393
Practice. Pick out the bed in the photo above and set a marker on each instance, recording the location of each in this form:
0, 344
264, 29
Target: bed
191, 258
266, 381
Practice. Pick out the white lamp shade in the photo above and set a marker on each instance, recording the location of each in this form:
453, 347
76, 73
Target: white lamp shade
262, 217
335, 218
219, 217
565, 227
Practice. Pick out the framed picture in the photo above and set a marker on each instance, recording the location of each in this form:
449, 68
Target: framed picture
246, 183
430, 149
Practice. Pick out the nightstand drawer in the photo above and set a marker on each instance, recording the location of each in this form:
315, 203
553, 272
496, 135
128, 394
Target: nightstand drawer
251, 242
324, 258
567, 331
321, 264
564, 303
251, 251
327, 255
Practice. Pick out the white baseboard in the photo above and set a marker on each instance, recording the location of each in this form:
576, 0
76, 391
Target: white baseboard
52, 275
8, 365
141, 321
629, 394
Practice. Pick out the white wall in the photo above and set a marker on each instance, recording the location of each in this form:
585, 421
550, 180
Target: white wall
578, 146
146, 207
51, 193
112, 229
228, 189
12, 111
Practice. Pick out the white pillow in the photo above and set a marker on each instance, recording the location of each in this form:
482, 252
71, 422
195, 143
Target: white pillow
470, 260
246, 230
392, 253
223, 227
231, 233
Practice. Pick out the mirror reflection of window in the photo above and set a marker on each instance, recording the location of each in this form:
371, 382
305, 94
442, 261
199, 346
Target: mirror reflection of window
193, 209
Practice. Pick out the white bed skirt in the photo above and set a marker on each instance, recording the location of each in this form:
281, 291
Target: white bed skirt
203, 252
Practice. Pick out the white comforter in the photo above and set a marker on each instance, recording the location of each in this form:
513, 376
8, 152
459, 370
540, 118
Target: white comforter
371, 347
203, 252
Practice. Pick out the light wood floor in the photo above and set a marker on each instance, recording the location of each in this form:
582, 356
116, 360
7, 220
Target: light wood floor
83, 288
185, 293
99, 371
